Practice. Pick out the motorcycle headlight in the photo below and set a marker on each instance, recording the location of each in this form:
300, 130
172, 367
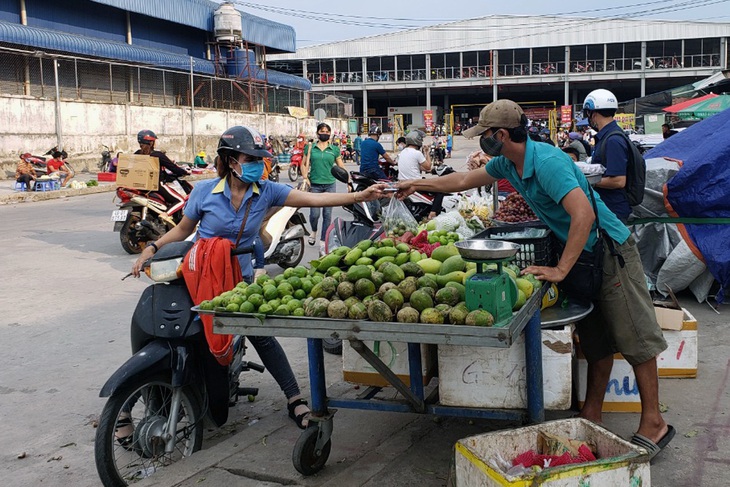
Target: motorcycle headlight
165, 270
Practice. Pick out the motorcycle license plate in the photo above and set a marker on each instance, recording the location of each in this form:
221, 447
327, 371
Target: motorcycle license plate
119, 215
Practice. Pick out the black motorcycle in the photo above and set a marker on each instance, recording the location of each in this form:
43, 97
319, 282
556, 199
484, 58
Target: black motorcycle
159, 398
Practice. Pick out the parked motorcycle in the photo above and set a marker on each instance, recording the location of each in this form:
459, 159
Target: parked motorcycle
295, 166
170, 384
283, 235
106, 160
145, 216
39, 162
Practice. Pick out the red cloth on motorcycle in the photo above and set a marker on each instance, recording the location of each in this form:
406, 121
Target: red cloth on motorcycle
209, 270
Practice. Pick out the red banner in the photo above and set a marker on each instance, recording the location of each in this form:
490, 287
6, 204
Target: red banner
566, 114
428, 120
536, 113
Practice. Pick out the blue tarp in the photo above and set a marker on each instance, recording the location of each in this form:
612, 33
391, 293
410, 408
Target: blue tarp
701, 188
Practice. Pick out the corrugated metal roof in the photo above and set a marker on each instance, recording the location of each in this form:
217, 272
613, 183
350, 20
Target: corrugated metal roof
194, 13
511, 32
278, 38
72, 43
58, 41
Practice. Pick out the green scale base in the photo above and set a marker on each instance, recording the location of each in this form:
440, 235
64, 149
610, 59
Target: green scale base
492, 290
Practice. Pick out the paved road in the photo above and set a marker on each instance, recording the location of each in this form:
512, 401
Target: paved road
64, 330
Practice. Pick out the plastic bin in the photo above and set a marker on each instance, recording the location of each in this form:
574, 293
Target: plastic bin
537, 251
619, 462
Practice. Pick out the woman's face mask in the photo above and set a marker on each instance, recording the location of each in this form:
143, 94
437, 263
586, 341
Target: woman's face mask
324, 137
250, 171
490, 145
401, 146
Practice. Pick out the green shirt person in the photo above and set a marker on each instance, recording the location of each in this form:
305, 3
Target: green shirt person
319, 158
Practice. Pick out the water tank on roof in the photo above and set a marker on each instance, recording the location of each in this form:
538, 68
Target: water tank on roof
227, 24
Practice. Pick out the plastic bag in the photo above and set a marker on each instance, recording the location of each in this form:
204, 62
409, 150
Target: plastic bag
397, 220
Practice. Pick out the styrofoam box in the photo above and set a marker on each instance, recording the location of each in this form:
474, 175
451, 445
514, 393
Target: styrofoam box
619, 462
496, 377
393, 354
679, 360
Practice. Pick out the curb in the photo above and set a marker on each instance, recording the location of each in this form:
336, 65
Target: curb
31, 196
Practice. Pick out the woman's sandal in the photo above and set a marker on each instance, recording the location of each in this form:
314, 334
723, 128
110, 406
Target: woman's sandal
125, 441
298, 419
312, 241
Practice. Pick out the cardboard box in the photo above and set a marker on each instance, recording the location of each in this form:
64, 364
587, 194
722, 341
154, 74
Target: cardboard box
393, 354
496, 377
669, 319
138, 171
678, 361
619, 462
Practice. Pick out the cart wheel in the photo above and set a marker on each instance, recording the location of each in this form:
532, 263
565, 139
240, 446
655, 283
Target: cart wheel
307, 460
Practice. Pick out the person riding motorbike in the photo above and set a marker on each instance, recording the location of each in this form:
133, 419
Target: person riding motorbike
233, 206
414, 159
371, 151
146, 139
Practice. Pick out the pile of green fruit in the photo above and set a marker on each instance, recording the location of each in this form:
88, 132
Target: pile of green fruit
380, 281
443, 237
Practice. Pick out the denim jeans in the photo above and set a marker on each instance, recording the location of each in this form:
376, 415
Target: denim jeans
275, 361
326, 212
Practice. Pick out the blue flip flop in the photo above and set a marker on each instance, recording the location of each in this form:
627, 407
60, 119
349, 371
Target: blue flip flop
650, 446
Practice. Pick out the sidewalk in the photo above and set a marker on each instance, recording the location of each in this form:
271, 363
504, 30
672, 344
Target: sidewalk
9, 196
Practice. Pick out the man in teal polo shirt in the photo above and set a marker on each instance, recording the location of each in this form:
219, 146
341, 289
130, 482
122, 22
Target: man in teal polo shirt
623, 319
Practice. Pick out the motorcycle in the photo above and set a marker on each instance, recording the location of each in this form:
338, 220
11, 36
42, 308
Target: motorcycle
39, 162
145, 216
275, 169
106, 159
283, 235
170, 384
295, 166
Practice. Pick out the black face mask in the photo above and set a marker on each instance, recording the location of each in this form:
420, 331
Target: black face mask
490, 145
324, 137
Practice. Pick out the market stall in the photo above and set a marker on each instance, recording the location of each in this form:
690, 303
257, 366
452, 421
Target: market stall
484, 280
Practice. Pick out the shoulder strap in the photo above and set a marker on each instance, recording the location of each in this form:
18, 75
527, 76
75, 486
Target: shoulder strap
606, 237
245, 218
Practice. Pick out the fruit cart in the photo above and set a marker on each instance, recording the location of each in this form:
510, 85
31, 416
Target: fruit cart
313, 447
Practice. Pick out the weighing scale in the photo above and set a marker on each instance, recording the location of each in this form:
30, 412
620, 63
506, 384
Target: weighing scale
490, 288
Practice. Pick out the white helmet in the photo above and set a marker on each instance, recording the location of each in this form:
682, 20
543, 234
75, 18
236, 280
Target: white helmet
600, 100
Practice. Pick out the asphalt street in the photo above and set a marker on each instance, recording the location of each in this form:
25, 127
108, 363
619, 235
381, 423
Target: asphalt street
64, 329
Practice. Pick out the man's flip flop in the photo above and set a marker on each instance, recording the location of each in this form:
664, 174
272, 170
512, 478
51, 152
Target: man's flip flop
650, 446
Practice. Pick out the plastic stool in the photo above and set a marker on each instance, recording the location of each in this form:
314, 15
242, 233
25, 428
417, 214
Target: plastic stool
20, 186
46, 185
56, 183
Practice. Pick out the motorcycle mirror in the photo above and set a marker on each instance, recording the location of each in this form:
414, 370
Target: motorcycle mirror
340, 174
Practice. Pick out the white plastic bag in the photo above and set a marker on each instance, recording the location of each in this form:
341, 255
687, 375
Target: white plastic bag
397, 220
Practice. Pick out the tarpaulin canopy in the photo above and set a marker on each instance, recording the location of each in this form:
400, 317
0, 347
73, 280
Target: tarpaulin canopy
706, 108
700, 190
687, 103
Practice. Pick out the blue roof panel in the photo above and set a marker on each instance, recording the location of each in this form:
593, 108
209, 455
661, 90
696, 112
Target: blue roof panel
278, 38
58, 41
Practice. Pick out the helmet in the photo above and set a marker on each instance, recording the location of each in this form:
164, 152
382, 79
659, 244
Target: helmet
414, 137
600, 100
375, 131
146, 137
242, 140
574, 136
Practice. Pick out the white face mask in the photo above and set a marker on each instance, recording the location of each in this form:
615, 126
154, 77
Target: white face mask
401, 146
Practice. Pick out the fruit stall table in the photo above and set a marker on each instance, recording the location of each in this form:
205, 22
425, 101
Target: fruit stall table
313, 447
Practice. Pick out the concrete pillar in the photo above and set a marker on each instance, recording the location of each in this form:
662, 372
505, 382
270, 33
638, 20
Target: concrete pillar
447, 110
495, 70
365, 121
566, 83
129, 29
643, 68
305, 75
428, 81
723, 52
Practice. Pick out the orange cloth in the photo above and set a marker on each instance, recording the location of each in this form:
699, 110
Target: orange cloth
209, 270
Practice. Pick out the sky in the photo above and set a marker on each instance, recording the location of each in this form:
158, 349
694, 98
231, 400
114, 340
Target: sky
317, 23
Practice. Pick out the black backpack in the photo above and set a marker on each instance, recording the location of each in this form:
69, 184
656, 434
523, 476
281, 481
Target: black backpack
635, 170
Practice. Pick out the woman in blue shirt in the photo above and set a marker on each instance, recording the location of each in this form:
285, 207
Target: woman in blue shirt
220, 206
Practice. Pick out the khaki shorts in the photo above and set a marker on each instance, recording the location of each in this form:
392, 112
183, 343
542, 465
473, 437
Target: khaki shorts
623, 319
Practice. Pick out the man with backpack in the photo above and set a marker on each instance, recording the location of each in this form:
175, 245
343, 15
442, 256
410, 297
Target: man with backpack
622, 184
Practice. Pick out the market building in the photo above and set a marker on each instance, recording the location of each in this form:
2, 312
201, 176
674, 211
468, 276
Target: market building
548, 61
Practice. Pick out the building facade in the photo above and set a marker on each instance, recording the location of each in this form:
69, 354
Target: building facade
554, 60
